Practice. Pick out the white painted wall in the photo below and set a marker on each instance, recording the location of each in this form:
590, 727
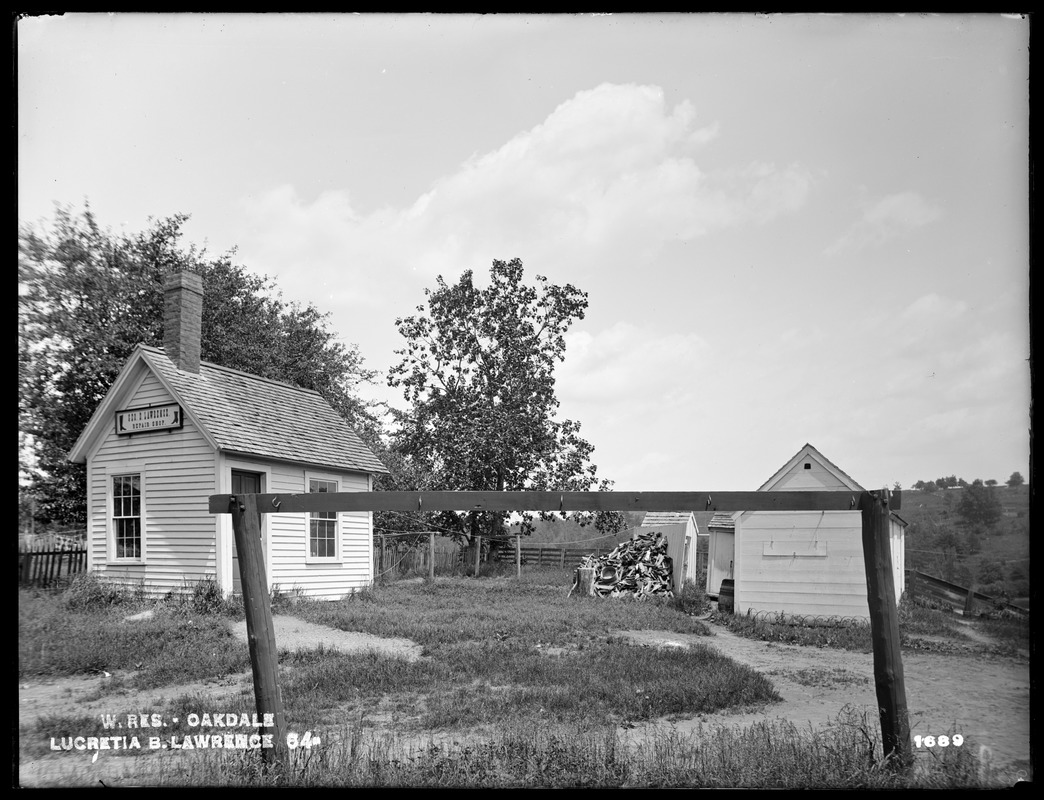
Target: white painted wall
179, 544
806, 563
183, 542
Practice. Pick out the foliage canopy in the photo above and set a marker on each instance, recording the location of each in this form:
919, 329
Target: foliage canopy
478, 370
979, 505
87, 297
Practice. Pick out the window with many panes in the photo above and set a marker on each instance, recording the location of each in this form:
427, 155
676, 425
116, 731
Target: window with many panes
322, 525
126, 515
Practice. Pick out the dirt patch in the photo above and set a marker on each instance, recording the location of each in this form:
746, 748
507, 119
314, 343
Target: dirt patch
292, 633
984, 698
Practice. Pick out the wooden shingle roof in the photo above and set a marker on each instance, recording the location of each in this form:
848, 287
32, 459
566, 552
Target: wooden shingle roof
245, 414
723, 521
653, 518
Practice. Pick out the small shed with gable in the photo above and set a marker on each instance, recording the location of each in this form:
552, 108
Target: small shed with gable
801, 563
173, 430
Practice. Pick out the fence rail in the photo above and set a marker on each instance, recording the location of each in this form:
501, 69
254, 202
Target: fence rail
44, 569
391, 558
921, 585
550, 555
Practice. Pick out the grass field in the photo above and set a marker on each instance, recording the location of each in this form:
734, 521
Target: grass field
519, 686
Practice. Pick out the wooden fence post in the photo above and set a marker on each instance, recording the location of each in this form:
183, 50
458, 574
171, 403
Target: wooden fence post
431, 555
264, 658
518, 557
884, 629
478, 554
969, 601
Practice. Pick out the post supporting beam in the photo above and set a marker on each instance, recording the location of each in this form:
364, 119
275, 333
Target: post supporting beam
884, 629
246, 527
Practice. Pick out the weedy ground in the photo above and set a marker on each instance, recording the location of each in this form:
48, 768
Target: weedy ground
518, 685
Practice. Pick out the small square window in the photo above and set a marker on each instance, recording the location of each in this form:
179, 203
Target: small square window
808, 466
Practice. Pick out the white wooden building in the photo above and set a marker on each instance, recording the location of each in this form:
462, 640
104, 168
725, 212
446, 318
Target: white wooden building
685, 541
173, 430
800, 563
721, 552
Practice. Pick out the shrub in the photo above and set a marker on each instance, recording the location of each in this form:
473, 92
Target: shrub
204, 597
691, 599
88, 591
991, 571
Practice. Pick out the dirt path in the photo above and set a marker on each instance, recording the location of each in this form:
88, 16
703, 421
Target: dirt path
984, 698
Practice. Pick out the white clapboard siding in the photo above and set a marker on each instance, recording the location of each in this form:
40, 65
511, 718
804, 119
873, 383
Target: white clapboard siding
290, 568
175, 464
801, 563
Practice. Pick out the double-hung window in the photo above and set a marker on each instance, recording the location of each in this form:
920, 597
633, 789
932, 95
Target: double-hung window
322, 525
126, 516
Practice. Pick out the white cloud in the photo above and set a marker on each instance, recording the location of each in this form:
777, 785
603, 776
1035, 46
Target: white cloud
931, 309
609, 174
624, 363
885, 220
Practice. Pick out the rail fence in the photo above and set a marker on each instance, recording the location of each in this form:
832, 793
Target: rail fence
921, 586
392, 557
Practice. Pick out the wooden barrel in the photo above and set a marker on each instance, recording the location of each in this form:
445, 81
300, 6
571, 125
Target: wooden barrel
726, 595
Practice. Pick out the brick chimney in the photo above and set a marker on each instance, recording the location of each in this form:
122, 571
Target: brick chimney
183, 319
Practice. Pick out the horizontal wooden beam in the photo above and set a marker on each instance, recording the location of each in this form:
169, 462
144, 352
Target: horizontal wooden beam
550, 501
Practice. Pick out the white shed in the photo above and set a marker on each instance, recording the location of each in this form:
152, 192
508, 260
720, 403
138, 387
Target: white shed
721, 550
685, 541
173, 430
805, 563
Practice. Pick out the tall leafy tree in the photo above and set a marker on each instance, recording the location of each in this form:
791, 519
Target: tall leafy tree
87, 297
478, 372
979, 505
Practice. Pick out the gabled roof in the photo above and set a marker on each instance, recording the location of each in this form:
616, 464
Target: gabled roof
242, 413
653, 518
809, 452
724, 521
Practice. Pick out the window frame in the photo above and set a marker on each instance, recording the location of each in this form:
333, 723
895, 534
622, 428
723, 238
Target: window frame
114, 473
323, 516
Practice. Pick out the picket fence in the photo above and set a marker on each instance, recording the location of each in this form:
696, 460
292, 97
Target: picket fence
46, 565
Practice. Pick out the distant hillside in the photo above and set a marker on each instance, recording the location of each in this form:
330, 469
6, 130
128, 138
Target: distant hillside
939, 542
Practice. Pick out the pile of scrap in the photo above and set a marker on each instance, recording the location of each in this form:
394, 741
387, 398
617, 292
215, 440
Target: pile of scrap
639, 567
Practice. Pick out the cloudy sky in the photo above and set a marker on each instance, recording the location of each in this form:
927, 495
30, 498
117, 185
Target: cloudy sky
791, 228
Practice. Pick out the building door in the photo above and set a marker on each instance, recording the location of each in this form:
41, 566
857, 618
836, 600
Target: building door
720, 560
244, 482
